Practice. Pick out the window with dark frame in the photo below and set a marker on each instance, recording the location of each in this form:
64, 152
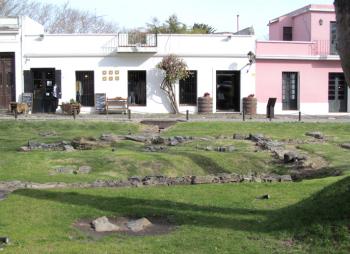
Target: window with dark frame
188, 89
287, 33
137, 88
290, 82
334, 41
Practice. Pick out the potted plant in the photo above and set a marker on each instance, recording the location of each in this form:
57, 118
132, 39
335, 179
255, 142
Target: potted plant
71, 107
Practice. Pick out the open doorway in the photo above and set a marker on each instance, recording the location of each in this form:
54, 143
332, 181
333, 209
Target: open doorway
85, 88
228, 91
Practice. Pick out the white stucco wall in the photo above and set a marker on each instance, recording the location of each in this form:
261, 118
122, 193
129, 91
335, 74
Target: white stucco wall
204, 53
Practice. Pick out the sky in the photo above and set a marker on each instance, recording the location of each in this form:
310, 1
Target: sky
220, 14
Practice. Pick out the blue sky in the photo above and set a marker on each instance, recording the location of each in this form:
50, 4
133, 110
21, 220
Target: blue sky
221, 14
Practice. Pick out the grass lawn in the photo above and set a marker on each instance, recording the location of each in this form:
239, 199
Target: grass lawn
311, 216
129, 159
307, 217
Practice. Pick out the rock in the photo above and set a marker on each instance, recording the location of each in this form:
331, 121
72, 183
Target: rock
86, 143
346, 145
173, 142
138, 225
24, 149
135, 181
291, 156
102, 224
239, 136
203, 179
109, 137
285, 178
141, 139
158, 140
65, 170
271, 145
228, 178
247, 178
68, 148
154, 149
155, 180
180, 139
315, 134
256, 137
209, 148
221, 149
84, 170
266, 196
181, 180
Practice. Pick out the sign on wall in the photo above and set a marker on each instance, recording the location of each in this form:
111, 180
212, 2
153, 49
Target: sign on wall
110, 75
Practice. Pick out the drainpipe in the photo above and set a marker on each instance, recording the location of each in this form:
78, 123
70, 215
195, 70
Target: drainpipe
20, 21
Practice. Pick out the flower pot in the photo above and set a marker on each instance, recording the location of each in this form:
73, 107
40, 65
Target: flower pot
249, 105
205, 105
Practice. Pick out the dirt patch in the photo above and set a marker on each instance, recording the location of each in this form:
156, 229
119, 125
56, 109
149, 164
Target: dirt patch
160, 226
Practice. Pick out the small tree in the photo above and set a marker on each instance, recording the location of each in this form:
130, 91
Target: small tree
175, 69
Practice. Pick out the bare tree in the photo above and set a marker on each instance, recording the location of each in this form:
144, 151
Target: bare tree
58, 19
342, 9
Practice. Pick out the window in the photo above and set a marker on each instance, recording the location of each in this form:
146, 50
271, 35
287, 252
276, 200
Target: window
137, 88
188, 89
287, 33
290, 90
333, 38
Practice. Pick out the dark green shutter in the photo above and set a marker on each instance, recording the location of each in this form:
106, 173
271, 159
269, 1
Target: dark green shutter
28, 82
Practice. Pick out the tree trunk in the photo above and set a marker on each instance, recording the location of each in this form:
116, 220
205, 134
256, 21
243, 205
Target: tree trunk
342, 9
168, 89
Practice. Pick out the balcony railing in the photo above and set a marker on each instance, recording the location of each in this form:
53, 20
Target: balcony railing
322, 48
137, 39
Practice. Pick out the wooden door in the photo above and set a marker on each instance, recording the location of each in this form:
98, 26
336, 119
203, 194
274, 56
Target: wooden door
7, 81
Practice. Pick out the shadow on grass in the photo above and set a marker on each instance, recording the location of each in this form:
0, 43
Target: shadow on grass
329, 207
208, 165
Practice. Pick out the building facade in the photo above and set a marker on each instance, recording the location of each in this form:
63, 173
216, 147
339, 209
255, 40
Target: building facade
300, 66
124, 65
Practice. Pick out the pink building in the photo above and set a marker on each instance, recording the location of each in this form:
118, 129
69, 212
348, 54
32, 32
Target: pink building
299, 65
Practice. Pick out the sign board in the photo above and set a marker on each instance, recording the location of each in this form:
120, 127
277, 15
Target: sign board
100, 102
27, 98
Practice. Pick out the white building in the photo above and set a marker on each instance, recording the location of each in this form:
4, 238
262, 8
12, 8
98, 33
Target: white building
122, 65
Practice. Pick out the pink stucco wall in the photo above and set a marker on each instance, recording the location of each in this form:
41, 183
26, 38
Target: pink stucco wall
313, 76
285, 48
321, 32
302, 27
276, 28
305, 23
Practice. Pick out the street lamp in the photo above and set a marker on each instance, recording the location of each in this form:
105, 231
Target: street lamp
251, 57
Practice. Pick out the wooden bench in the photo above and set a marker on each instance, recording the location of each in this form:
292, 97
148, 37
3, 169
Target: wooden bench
117, 104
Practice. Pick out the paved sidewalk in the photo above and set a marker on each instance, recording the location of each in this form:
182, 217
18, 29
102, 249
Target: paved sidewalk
230, 117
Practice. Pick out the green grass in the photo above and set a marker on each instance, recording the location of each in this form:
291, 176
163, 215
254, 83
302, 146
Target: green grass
338, 131
129, 159
307, 217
